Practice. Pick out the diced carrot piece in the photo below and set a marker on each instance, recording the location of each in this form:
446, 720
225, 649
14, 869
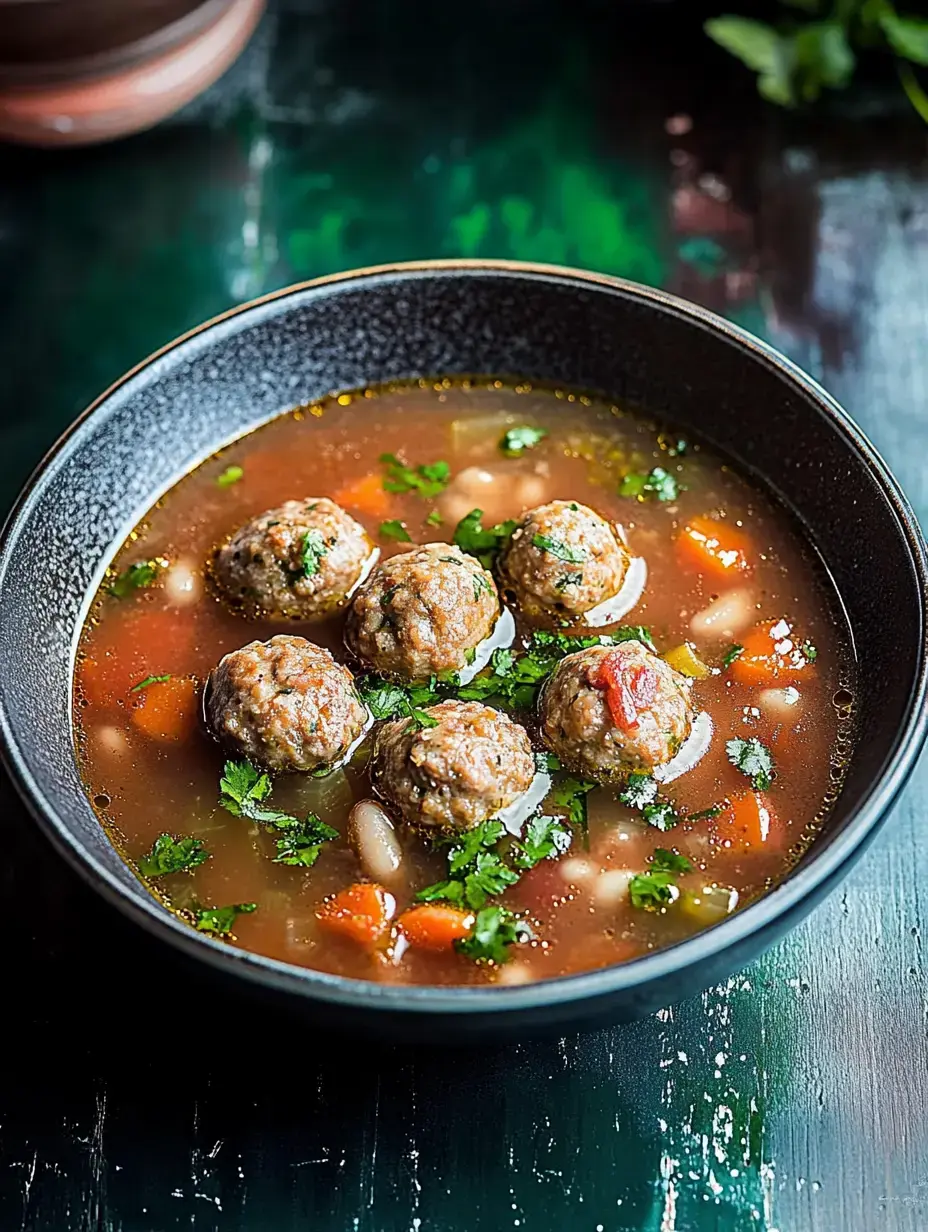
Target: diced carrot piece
771, 654
749, 823
435, 926
361, 913
714, 547
167, 709
128, 648
365, 495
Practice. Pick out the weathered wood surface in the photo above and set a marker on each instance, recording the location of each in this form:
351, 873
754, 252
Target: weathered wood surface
792, 1098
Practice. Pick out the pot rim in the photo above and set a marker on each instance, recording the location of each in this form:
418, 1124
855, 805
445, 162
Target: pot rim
820, 868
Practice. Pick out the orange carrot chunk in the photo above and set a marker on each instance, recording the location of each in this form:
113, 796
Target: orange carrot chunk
435, 926
129, 647
361, 913
714, 547
771, 655
167, 709
749, 823
365, 495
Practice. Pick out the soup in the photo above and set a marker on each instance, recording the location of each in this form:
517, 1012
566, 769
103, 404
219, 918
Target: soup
460, 683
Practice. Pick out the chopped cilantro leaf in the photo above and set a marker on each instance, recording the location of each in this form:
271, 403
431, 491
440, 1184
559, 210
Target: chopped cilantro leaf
568, 579
232, 474
809, 651
383, 698
705, 814
136, 577
547, 762
664, 861
221, 919
563, 551
657, 482
571, 793
484, 837
313, 549
490, 876
434, 518
143, 684
731, 654
517, 440
394, 529
639, 790
418, 719
243, 791
661, 815
495, 930
753, 759
450, 891
426, 480
302, 841
172, 855
544, 839
651, 891
472, 537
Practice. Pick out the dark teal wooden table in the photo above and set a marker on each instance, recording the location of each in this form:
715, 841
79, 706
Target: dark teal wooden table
794, 1097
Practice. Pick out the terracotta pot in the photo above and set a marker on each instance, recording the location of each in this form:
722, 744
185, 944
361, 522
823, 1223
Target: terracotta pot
74, 72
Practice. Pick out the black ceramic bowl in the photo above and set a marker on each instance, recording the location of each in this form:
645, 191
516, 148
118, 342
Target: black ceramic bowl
598, 334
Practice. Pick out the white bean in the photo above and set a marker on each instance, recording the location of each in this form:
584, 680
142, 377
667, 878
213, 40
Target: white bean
781, 704
612, 887
371, 834
183, 583
725, 616
112, 741
515, 973
576, 870
500, 494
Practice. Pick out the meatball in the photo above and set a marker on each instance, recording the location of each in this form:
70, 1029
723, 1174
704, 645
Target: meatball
472, 763
423, 613
610, 710
301, 561
562, 560
285, 704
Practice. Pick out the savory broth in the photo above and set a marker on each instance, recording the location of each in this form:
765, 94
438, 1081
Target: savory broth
783, 697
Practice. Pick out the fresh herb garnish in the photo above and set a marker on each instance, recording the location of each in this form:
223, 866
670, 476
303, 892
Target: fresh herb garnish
662, 815
807, 648
472, 537
394, 529
313, 549
753, 759
517, 440
656, 888
494, 931
434, 518
657, 482
143, 684
426, 480
232, 474
544, 838
172, 855
639, 790
571, 793
732, 653
243, 791
714, 810
221, 919
563, 551
477, 870
388, 700
568, 579
136, 577
665, 861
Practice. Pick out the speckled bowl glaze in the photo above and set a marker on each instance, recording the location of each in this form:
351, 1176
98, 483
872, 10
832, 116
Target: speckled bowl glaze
446, 318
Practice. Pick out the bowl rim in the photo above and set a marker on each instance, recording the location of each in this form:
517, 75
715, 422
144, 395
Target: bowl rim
820, 870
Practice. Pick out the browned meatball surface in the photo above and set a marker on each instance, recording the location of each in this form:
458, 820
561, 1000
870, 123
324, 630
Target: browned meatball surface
300, 561
562, 560
285, 704
423, 613
596, 730
472, 763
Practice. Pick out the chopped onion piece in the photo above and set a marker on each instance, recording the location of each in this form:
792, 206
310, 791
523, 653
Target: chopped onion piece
504, 633
514, 815
611, 611
694, 749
